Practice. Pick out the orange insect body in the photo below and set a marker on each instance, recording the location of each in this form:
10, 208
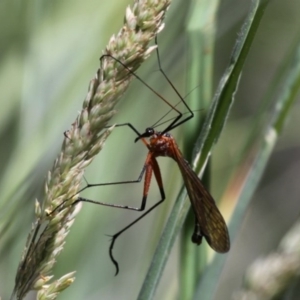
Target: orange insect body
209, 221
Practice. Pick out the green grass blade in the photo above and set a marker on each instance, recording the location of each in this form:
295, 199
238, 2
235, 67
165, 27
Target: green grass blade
226, 90
201, 30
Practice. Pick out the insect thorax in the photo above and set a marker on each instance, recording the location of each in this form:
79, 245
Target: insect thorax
161, 144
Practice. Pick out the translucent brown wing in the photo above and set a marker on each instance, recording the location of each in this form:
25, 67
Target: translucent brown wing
211, 222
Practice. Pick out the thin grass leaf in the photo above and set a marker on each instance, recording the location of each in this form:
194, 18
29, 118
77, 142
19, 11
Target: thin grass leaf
211, 277
229, 82
201, 29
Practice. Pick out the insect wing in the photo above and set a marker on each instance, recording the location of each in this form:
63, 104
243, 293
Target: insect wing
212, 224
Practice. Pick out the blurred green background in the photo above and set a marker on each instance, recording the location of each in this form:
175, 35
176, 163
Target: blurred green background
49, 52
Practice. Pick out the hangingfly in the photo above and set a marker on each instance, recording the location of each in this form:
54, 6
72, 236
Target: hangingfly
209, 222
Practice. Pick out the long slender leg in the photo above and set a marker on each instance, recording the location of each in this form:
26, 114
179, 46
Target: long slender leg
152, 166
129, 125
108, 183
142, 81
176, 121
144, 199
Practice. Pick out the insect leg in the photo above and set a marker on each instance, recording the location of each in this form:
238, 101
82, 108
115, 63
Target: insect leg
152, 166
80, 199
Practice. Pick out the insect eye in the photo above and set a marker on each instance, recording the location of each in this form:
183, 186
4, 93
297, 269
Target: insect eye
167, 134
150, 131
